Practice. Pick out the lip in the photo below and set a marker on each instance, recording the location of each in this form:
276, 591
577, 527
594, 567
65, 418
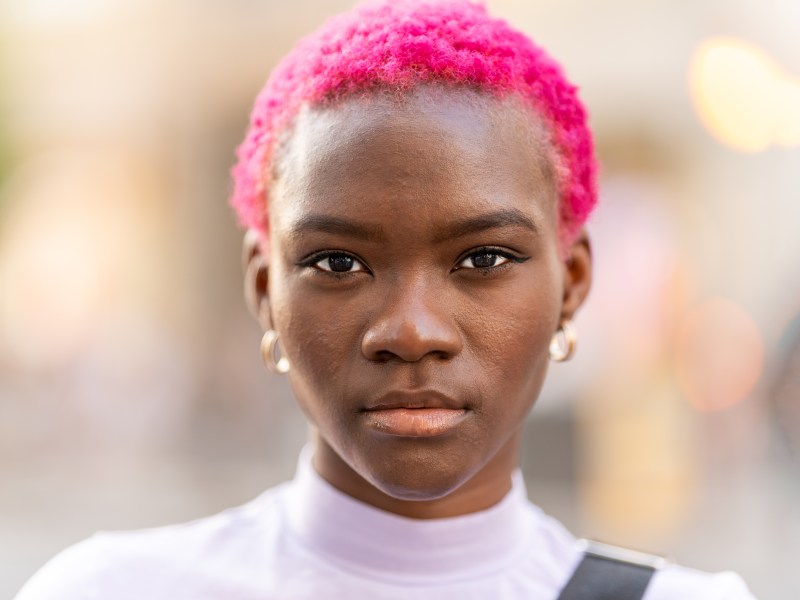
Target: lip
416, 399
414, 414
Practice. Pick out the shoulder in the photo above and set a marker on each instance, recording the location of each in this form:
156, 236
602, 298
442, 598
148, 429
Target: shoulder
668, 582
552, 551
149, 562
68, 576
675, 581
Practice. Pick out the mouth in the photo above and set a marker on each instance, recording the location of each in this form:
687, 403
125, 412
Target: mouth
416, 415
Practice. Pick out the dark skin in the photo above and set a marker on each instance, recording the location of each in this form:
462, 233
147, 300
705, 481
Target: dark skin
413, 255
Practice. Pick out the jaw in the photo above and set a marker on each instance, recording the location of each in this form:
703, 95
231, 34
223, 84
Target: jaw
412, 479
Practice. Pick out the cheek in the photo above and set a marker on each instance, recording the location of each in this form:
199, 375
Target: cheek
511, 345
322, 343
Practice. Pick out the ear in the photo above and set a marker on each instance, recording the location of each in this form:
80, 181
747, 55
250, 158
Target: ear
256, 277
577, 265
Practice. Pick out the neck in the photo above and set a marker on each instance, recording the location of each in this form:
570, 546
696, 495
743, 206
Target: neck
480, 491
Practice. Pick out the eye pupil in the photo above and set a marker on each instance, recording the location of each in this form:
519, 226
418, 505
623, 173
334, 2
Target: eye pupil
484, 260
340, 263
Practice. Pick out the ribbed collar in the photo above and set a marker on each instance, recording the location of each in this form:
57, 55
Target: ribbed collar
385, 546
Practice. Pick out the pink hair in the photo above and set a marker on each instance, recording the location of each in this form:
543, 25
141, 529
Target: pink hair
398, 44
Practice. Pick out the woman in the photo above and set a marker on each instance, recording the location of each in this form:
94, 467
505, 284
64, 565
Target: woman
414, 183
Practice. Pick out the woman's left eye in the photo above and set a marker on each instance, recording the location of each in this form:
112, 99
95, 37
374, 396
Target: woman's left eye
485, 259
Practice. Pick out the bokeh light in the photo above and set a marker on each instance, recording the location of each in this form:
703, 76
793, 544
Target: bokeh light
743, 96
69, 255
719, 355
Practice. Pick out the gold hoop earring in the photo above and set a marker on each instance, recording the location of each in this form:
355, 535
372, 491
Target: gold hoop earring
271, 353
562, 346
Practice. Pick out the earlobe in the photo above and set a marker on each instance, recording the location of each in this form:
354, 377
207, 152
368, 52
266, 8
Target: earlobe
256, 279
577, 275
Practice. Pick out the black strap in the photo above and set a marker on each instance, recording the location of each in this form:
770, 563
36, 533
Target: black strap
600, 576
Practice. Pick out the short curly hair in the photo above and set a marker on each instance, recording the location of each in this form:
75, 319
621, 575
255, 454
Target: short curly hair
400, 44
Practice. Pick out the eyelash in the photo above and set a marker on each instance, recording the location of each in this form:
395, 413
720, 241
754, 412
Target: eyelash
512, 258
318, 257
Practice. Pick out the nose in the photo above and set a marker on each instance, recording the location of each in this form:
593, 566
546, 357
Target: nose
410, 326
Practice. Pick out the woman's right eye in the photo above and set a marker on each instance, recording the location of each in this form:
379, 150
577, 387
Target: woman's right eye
338, 262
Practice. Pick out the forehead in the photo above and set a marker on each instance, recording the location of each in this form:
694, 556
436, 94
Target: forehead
434, 149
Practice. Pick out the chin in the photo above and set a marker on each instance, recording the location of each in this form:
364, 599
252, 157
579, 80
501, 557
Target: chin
417, 474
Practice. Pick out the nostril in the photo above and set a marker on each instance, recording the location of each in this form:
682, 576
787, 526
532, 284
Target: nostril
411, 336
383, 356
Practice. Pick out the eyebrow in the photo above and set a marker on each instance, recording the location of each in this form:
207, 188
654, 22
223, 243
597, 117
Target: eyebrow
509, 217
335, 225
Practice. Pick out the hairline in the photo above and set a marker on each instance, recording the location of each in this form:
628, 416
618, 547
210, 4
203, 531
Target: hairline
540, 132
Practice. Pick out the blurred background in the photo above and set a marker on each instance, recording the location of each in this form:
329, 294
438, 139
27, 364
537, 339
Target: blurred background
131, 388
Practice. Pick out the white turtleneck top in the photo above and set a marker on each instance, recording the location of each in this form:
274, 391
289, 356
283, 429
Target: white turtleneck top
305, 539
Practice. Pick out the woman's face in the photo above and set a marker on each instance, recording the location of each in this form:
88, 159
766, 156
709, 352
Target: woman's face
415, 280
